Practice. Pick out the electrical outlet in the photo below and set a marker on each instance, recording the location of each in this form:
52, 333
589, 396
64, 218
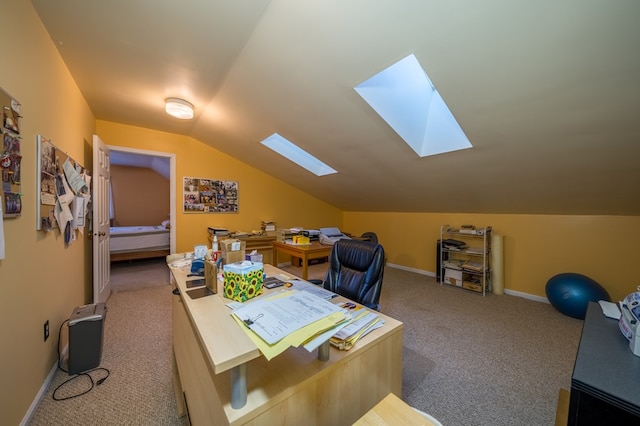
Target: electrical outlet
46, 330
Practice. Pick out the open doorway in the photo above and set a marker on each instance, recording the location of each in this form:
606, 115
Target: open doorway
142, 209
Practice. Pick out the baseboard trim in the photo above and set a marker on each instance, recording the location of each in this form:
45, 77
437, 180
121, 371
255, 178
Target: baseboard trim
506, 291
43, 389
406, 268
526, 296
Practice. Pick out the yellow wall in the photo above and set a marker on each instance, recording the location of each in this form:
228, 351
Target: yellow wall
261, 197
40, 278
536, 247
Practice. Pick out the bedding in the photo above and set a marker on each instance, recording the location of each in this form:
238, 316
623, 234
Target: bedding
138, 242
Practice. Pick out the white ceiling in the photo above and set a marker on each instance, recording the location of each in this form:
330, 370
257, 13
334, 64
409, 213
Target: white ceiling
548, 92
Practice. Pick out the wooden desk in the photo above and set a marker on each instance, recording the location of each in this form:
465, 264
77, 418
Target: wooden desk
263, 244
294, 388
313, 251
392, 411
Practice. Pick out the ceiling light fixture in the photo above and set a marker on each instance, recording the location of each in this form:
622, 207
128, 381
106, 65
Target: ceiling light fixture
179, 108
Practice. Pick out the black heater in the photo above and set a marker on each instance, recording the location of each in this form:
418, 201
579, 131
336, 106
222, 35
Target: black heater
85, 337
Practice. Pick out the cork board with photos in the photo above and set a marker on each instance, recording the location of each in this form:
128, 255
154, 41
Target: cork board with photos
10, 157
63, 191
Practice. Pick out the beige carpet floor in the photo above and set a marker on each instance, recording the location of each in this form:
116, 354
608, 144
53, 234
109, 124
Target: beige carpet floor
467, 359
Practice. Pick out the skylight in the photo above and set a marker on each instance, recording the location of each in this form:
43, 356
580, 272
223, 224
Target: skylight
296, 154
406, 99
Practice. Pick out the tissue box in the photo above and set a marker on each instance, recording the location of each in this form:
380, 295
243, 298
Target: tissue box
233, 250
254, 257
243, 280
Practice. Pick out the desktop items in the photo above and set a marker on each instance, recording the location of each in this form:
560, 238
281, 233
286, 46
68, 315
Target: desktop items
628, 322
330, 235
211, 276
233, 250
243, 280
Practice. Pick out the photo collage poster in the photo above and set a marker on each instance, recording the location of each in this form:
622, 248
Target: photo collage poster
209, 195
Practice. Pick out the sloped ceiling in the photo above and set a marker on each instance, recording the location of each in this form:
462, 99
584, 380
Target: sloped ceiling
547, 92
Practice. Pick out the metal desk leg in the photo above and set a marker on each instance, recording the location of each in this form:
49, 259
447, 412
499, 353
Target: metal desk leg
323, 351
239, 386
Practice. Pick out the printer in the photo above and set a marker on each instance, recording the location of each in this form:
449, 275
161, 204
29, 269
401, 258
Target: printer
329, 236
628, 322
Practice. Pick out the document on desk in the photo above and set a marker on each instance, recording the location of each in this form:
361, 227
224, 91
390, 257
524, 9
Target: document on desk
318, 290
274, 318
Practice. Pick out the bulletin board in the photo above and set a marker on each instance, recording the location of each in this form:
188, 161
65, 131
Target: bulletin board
10, 158
63, 191
209, 195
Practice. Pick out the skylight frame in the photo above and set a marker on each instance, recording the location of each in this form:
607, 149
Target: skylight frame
406, 99
297, 155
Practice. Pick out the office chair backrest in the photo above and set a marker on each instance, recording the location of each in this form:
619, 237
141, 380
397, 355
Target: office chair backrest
372, 237
355, 271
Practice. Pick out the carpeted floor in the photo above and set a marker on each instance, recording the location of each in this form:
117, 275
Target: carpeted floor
467, 359
136, 351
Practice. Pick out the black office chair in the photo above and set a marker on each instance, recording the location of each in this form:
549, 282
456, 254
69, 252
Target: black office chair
370, 236
355, 271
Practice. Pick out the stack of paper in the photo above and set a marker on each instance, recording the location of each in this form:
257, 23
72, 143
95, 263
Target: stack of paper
288, 318
362, 323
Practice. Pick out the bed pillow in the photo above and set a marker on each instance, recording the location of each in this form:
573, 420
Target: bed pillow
166, 224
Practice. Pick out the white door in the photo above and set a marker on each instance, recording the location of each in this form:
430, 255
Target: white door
100, 232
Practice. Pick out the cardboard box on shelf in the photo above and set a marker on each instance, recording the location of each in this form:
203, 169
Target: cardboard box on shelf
453, 277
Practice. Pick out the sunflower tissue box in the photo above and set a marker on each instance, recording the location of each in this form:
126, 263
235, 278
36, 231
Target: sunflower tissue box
243, 280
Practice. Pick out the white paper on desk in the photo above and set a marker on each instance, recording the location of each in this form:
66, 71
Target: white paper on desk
314, 343
356, 326
318, 290
274, 318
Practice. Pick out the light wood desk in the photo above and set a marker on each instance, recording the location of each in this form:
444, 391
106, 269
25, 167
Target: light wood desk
211, 352
313, 251
392, 411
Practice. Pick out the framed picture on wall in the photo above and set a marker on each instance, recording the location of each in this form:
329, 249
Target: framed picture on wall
209, 195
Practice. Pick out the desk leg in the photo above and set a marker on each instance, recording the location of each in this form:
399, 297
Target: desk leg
239, 386
323, 351
305, 267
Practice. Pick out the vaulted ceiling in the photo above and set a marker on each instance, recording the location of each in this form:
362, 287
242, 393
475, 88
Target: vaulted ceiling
547, 92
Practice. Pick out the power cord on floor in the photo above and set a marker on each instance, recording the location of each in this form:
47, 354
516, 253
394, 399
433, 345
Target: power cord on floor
86, 373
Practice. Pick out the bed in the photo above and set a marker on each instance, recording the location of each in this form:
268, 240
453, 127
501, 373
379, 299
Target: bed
138, 242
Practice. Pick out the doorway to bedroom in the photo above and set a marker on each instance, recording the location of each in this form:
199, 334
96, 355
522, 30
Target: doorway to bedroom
142, 203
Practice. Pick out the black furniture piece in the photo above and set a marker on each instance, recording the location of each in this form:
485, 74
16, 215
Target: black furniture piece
86, 326
355, 271
605, 386
370, 237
